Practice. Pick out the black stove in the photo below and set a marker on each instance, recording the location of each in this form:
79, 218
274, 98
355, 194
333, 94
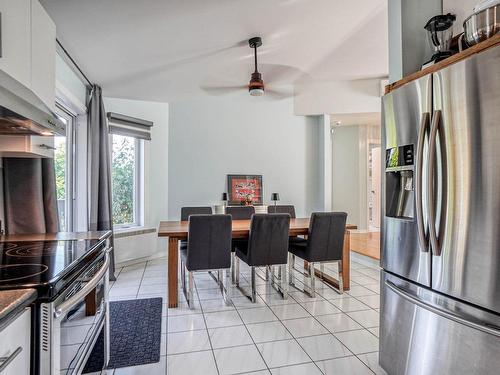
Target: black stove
45, 265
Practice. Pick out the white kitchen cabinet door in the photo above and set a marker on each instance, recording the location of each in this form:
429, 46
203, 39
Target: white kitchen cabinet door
43, 55
15, 39
16, 344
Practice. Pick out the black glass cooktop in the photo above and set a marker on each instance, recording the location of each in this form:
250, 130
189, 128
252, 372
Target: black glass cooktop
45, 265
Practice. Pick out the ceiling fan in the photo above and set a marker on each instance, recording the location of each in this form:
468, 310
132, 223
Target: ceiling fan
256, 85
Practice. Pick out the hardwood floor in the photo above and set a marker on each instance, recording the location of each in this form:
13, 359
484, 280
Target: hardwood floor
366, 243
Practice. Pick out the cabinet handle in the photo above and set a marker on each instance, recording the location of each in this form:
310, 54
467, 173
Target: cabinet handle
5, 361
47, 147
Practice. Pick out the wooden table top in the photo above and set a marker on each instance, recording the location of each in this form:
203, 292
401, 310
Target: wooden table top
179, 229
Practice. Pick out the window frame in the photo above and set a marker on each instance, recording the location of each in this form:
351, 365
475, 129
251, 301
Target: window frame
138, 184
70, 174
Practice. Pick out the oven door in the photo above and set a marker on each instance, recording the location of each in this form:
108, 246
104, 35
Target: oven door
72, 323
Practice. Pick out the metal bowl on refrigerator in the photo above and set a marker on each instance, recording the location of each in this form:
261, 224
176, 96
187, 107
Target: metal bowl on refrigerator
482, 25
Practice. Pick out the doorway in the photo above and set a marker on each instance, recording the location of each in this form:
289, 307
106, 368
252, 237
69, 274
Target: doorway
356, 177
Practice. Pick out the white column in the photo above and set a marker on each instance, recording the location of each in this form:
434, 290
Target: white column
326, 153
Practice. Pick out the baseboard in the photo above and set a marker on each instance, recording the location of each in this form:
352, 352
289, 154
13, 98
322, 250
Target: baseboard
131, 262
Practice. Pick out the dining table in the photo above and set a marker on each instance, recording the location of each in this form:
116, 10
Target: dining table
177, 231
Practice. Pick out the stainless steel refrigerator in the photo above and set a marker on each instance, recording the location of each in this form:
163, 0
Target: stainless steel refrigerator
440, 284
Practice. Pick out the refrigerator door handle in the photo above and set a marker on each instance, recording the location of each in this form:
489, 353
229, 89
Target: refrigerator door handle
424, 126
492, 330
433, 236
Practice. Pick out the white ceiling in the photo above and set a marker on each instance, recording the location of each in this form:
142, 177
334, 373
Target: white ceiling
164, 50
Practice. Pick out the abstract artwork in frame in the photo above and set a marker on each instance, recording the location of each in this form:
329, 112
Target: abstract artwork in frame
244, 189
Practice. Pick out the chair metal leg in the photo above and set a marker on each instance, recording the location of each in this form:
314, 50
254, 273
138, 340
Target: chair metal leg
341, 277
312, 277
233, 279
291, 265
224, 279
254, 297
273, 281
190, 292
284, 284
237, 271
183, 278
267, 273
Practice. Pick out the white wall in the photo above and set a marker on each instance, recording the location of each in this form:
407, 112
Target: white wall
238, 134
462, 9
337, 97
350, 169
156, 165
346, 157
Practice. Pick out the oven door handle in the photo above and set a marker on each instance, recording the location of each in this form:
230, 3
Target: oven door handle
64, 307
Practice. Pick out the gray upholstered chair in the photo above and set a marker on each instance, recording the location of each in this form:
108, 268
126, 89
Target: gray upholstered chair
208, 248
186, 211
324, 244
240, 212
282, 209
267, 246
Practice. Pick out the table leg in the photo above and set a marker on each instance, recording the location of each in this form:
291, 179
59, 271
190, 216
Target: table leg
346, 260
173, 264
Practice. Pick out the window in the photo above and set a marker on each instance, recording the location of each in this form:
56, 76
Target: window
64, 169
126, 177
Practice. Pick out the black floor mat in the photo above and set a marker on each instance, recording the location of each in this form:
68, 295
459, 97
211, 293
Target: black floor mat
135, 330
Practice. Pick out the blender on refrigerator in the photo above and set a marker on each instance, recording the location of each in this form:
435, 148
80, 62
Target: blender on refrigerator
439, 33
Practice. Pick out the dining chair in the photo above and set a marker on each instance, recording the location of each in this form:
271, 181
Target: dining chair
238, 213
324, 244
186, 211
208, 248
267, 246
282, 209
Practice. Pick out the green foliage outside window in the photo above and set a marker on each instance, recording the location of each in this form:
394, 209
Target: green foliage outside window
60, 172
60, 168
123, 166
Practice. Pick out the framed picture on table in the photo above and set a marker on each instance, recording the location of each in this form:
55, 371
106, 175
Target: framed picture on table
244, 189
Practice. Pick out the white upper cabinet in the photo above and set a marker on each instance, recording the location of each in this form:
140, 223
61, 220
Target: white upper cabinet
28, 47
15, 39
43, 55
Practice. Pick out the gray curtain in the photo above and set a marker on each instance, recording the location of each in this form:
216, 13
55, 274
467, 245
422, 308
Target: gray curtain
99, 169
30, 196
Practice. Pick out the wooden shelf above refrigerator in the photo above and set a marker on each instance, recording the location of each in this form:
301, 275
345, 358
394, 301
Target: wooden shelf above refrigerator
491, 42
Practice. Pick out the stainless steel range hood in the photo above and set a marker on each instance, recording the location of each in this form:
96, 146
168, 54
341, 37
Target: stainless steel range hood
23, 113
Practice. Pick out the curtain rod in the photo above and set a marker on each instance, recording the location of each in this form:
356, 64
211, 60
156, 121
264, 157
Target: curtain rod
74, 63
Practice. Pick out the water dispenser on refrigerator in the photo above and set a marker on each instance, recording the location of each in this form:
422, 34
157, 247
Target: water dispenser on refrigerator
399, 177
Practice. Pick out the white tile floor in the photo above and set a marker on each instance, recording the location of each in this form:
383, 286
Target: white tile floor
329, 334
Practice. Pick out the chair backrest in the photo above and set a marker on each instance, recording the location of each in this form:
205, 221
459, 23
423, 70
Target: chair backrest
209, 242
282, 209
268, 239
240, 212
186, 211
326, 236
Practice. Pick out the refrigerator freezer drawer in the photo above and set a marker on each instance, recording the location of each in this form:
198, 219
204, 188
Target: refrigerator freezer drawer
422, 332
